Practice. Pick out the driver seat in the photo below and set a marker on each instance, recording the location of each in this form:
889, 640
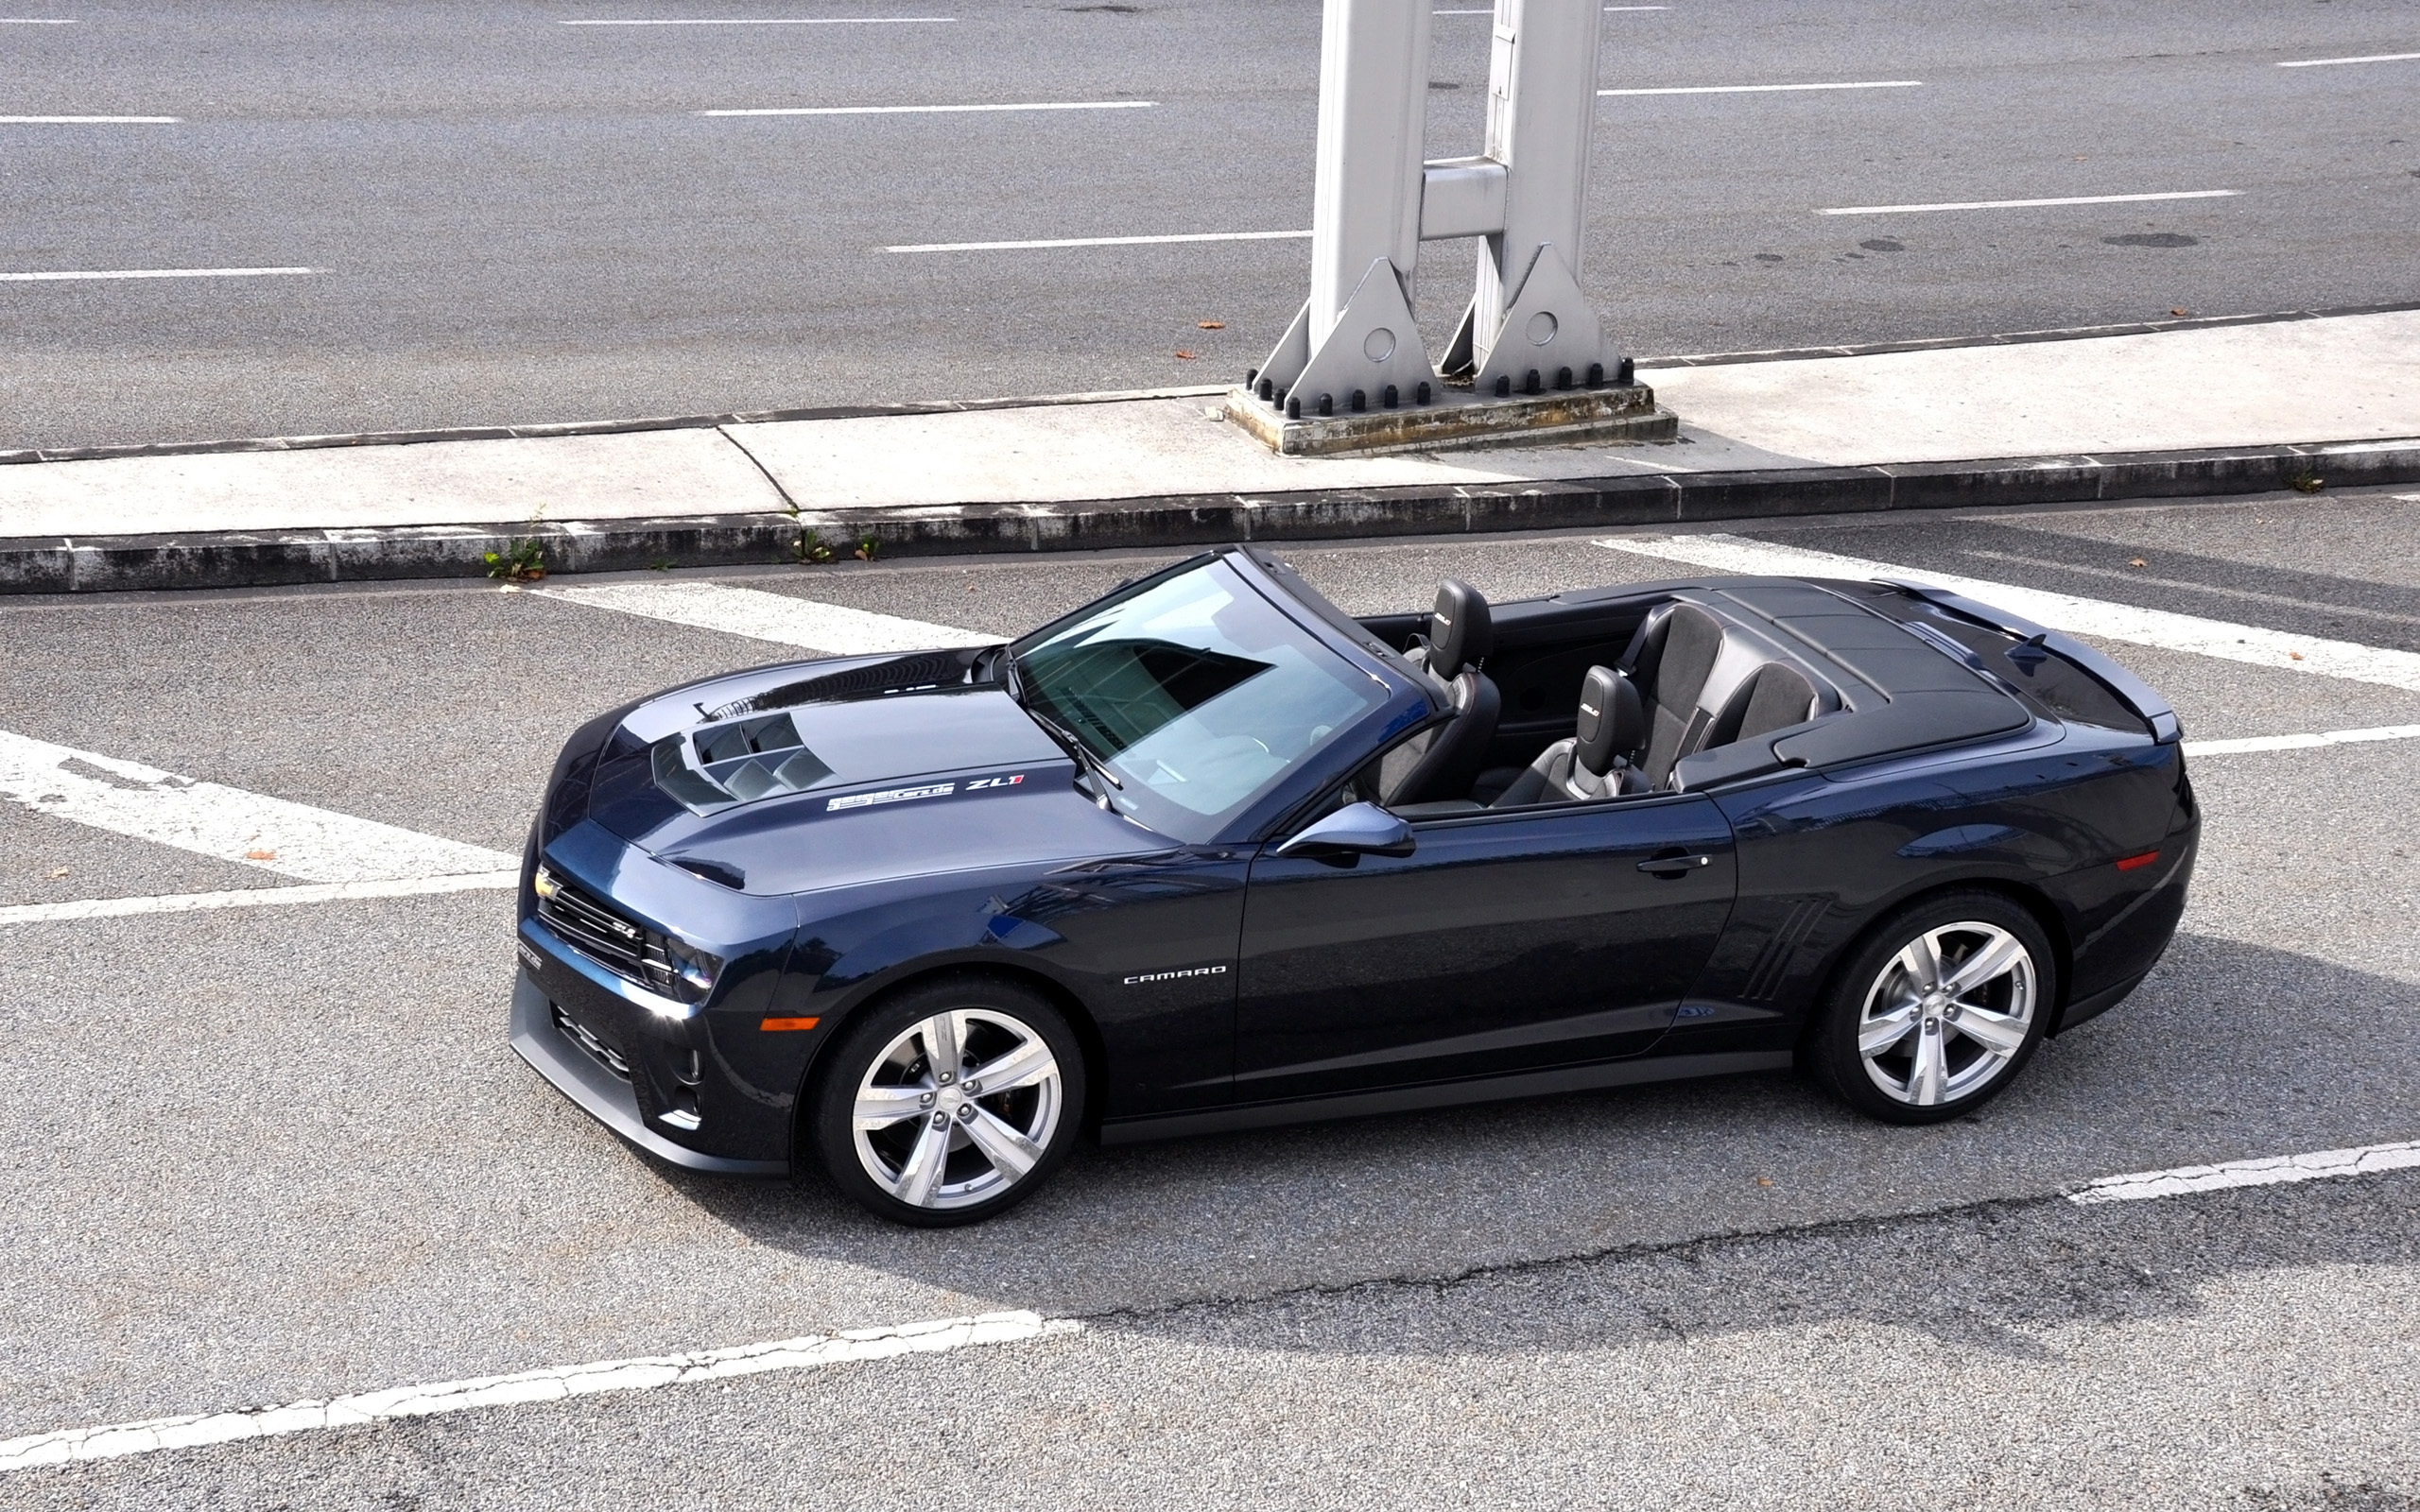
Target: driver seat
1444, 761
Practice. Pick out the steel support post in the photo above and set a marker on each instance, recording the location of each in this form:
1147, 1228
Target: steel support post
1356, 332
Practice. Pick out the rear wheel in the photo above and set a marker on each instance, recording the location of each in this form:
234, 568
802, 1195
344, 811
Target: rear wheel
950, 1102
1938, 1011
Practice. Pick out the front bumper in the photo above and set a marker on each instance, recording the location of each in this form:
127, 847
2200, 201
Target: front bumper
607, 1098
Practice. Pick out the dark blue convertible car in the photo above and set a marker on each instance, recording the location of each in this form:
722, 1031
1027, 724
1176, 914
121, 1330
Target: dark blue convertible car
1211, 853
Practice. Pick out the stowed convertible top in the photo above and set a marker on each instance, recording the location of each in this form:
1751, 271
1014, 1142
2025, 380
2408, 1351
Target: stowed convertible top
1866, 669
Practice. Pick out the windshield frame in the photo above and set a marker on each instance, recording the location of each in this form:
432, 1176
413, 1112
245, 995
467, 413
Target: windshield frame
1403, 699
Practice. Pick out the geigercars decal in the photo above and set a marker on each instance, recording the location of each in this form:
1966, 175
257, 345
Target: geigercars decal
891, 795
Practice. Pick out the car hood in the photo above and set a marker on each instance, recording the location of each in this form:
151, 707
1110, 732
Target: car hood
748, 783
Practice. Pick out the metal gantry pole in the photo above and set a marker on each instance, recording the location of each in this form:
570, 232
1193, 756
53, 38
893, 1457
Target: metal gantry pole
1529, 329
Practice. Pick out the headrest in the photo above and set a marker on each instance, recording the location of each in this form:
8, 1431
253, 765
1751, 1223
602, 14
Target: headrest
1612, 720
1461, 630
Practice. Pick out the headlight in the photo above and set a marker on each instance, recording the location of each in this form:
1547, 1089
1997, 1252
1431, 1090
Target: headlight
544, 883
694, 970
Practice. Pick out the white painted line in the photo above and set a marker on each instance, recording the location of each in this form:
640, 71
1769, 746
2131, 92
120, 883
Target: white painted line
2362, 1160
187, 903
157, 272
1490, 11
226, 823
944, 110
2061, 611
2325, 737
775, 617
648, 1373
1768, 89
2023, 204
90, 120
778, 21
1109, 241
2331, 63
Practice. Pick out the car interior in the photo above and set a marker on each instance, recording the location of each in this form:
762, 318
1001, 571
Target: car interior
1584, 697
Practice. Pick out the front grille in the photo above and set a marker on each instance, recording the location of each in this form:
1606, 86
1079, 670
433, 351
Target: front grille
629, 950
581, 1035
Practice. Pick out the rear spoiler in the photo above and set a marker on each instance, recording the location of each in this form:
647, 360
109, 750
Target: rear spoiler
2167, 729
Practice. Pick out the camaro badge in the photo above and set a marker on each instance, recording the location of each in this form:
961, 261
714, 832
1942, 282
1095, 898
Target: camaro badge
891, 795
1170, 976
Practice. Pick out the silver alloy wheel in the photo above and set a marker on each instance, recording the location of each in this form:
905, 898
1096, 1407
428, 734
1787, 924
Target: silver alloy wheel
1947, 1014
958, 1109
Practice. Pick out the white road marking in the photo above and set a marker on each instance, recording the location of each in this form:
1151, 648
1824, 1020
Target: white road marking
2022, 205
778, 21
775, 617
1490, 11
227, 823
157, 272
187, 903
1108, 241
2360, 1160
2325, 737
2331, 63
90, 120
647, 1373
942, 110
2253, 643
1769, 89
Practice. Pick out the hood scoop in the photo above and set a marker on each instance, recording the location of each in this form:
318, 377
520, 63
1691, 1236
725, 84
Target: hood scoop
737, 761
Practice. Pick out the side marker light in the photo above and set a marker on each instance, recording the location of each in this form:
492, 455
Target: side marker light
2132, 863
789, 1024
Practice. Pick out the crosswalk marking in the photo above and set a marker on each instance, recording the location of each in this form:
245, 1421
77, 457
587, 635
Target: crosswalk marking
2360, 1160
559, 1383
227, 823
2252, 643
776, 617
321, 892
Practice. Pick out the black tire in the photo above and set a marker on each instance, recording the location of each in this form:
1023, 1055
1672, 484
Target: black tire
1976, 1048
887, 1047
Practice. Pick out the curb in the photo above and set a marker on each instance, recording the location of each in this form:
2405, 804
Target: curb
238, 559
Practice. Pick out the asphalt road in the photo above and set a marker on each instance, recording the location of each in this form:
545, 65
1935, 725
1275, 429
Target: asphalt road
260, 1155
515, 220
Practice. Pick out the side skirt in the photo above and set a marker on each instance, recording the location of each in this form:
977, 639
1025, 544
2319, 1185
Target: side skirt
1443, 1094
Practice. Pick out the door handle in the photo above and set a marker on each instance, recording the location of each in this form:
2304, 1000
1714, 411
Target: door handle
1673, 867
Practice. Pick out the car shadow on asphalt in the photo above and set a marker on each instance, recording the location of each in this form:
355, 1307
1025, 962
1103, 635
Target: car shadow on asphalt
2229, 1051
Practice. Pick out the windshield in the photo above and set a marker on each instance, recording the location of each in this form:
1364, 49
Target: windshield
1195, 691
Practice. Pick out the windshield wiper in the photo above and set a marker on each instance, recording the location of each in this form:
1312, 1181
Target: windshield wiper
1076, 747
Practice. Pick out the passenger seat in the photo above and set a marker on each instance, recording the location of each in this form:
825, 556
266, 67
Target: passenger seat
1595, 763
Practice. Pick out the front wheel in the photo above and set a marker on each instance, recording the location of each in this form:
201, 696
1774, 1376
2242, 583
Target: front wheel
951, 1102
1938, 1011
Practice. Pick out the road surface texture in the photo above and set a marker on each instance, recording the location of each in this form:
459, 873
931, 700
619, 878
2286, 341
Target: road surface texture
262, 1154
497, 214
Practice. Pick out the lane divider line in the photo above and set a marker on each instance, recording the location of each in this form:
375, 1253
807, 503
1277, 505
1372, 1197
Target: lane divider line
83, 275
2252, 644
2024, 204
1765, 89
776, 617
2325, 737
1106, 241
226, 823
2360, 1160
647, 1373
187, 903
939, 110
2331, 63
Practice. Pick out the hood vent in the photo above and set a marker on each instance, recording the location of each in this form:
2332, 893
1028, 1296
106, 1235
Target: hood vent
921, 669
737, 761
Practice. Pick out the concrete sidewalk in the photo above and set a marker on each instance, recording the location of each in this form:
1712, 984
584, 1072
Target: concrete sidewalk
2208, 408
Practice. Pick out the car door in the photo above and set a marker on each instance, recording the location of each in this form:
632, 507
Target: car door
1504, 942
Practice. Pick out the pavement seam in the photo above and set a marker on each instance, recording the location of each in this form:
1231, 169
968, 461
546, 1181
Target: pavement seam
780, 493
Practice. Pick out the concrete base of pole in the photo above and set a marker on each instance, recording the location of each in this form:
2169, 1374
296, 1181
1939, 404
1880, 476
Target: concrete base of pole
1456, 418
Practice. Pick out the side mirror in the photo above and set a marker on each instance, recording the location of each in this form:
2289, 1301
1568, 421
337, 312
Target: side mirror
1357, 828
